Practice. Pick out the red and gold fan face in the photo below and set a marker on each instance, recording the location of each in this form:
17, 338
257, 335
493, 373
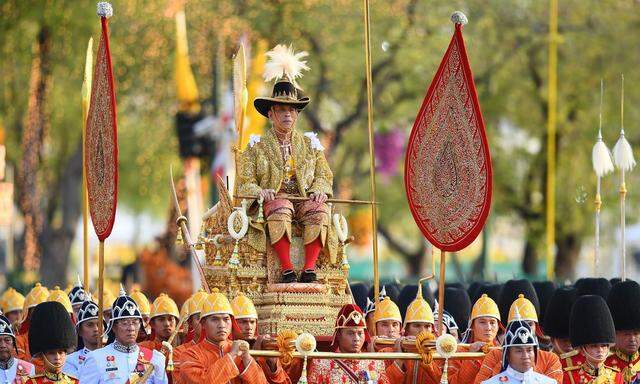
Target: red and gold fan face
101, 144
448, 176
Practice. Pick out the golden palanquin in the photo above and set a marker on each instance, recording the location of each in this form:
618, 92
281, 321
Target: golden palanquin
299, 307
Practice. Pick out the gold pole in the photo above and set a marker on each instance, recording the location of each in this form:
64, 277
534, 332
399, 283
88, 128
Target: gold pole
443, 264
369, 355
100, 292
182, 224
623, 191
372, 159
551, 137
86, 95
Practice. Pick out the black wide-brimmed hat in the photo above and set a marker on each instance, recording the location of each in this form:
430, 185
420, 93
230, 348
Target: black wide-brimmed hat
591, 322
510, 292
593, 286
51, 328
556, 318
284, 66
624, 304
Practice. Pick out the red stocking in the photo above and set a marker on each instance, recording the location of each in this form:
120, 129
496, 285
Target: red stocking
282, 248
311, 253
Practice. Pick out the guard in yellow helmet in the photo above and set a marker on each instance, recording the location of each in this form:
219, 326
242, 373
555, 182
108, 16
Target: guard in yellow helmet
12, 304
418, 319
481, 334
191, 311
60, 296
216, 359
108, 298
145, 310
547, 363
245, 326
419, 316
193, 321
38, 294
387, 319
164, 319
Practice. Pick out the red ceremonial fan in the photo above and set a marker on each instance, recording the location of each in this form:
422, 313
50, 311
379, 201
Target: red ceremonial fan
448, 177
101, 150
101, 146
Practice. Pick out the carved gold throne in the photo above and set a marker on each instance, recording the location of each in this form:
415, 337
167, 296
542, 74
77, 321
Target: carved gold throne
299, 307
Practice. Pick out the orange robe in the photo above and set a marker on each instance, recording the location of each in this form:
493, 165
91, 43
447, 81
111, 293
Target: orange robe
178, 358
22, 342
209, 363
412, 372
547, 363
460, 371
624, 363
277, 377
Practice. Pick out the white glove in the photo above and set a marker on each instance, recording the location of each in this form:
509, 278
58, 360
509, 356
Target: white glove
167, 346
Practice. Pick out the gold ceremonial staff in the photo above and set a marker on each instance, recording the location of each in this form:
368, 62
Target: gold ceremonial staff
369, 355
408, 345
181, 221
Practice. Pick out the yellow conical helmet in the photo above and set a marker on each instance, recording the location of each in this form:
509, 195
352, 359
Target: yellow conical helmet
525, 308
164, 305
484, 307
142, 301
243, 308
37, 295
196, 300
108, 298
61, 297
184, 310
215, 304
419, 310
387, 310
12, 300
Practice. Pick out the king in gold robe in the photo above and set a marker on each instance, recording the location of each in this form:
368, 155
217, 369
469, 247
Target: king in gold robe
285, 163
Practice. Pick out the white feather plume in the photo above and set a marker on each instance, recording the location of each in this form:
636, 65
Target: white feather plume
283, 61
601, 158
623, 154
